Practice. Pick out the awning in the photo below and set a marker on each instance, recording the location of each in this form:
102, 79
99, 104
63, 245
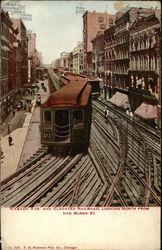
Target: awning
119, 99
146, 111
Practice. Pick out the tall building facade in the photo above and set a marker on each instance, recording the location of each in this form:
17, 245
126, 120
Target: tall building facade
71, 62
56, 63
31, 55
17, 55
109, 62
64, 60
22, 37
78, 58
144, 70
98, 57
6, 81
93, 22
122, 40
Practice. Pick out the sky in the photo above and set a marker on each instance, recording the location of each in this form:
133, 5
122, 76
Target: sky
58, 27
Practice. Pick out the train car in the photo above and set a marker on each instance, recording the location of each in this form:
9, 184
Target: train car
94, 82
69, 77
66, 118
54, 82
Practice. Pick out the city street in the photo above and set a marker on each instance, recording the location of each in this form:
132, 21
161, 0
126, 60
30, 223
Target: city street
25, 134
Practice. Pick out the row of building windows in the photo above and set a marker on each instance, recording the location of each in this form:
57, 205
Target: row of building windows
121, 69
109, 54
4, 87
4, 30
144, 62
121, 54
143, 43
4, 68
110, 40
120, 83
121, 39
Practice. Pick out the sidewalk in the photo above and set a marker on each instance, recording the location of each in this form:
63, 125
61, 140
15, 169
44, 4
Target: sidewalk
12, 153
32, 141
25, 135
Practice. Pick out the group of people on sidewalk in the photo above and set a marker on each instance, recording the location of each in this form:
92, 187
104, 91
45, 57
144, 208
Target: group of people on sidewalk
25, 104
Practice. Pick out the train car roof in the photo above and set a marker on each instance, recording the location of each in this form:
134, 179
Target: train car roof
70, 77
70, 95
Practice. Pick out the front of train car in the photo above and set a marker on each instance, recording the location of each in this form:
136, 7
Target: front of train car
65, 118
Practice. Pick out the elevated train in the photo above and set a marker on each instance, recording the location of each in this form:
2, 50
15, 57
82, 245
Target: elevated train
94, 82
65, 121
57, 79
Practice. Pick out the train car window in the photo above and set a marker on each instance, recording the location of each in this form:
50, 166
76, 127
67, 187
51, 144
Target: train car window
47, 116
77, 117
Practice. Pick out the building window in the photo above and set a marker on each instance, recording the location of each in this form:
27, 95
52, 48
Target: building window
100, 19
111, 21
102, 26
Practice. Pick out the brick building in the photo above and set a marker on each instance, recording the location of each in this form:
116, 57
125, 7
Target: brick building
122, 59
98, 57
31, 54
109, 61
144, 71
6, 82
17, 55
22, 37
92, 23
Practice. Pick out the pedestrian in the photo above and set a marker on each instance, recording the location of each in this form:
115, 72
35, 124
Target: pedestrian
9, 128
40, 99
127, 111
13, 113
29, 108
131, 114
105, 111
22, 103
10, 140
1, 153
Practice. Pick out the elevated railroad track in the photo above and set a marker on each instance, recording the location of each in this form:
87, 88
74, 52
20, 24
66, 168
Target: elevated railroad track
138, 159
120, 169
152, 138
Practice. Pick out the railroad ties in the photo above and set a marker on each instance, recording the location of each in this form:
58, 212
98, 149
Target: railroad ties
141, 173
55, 181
